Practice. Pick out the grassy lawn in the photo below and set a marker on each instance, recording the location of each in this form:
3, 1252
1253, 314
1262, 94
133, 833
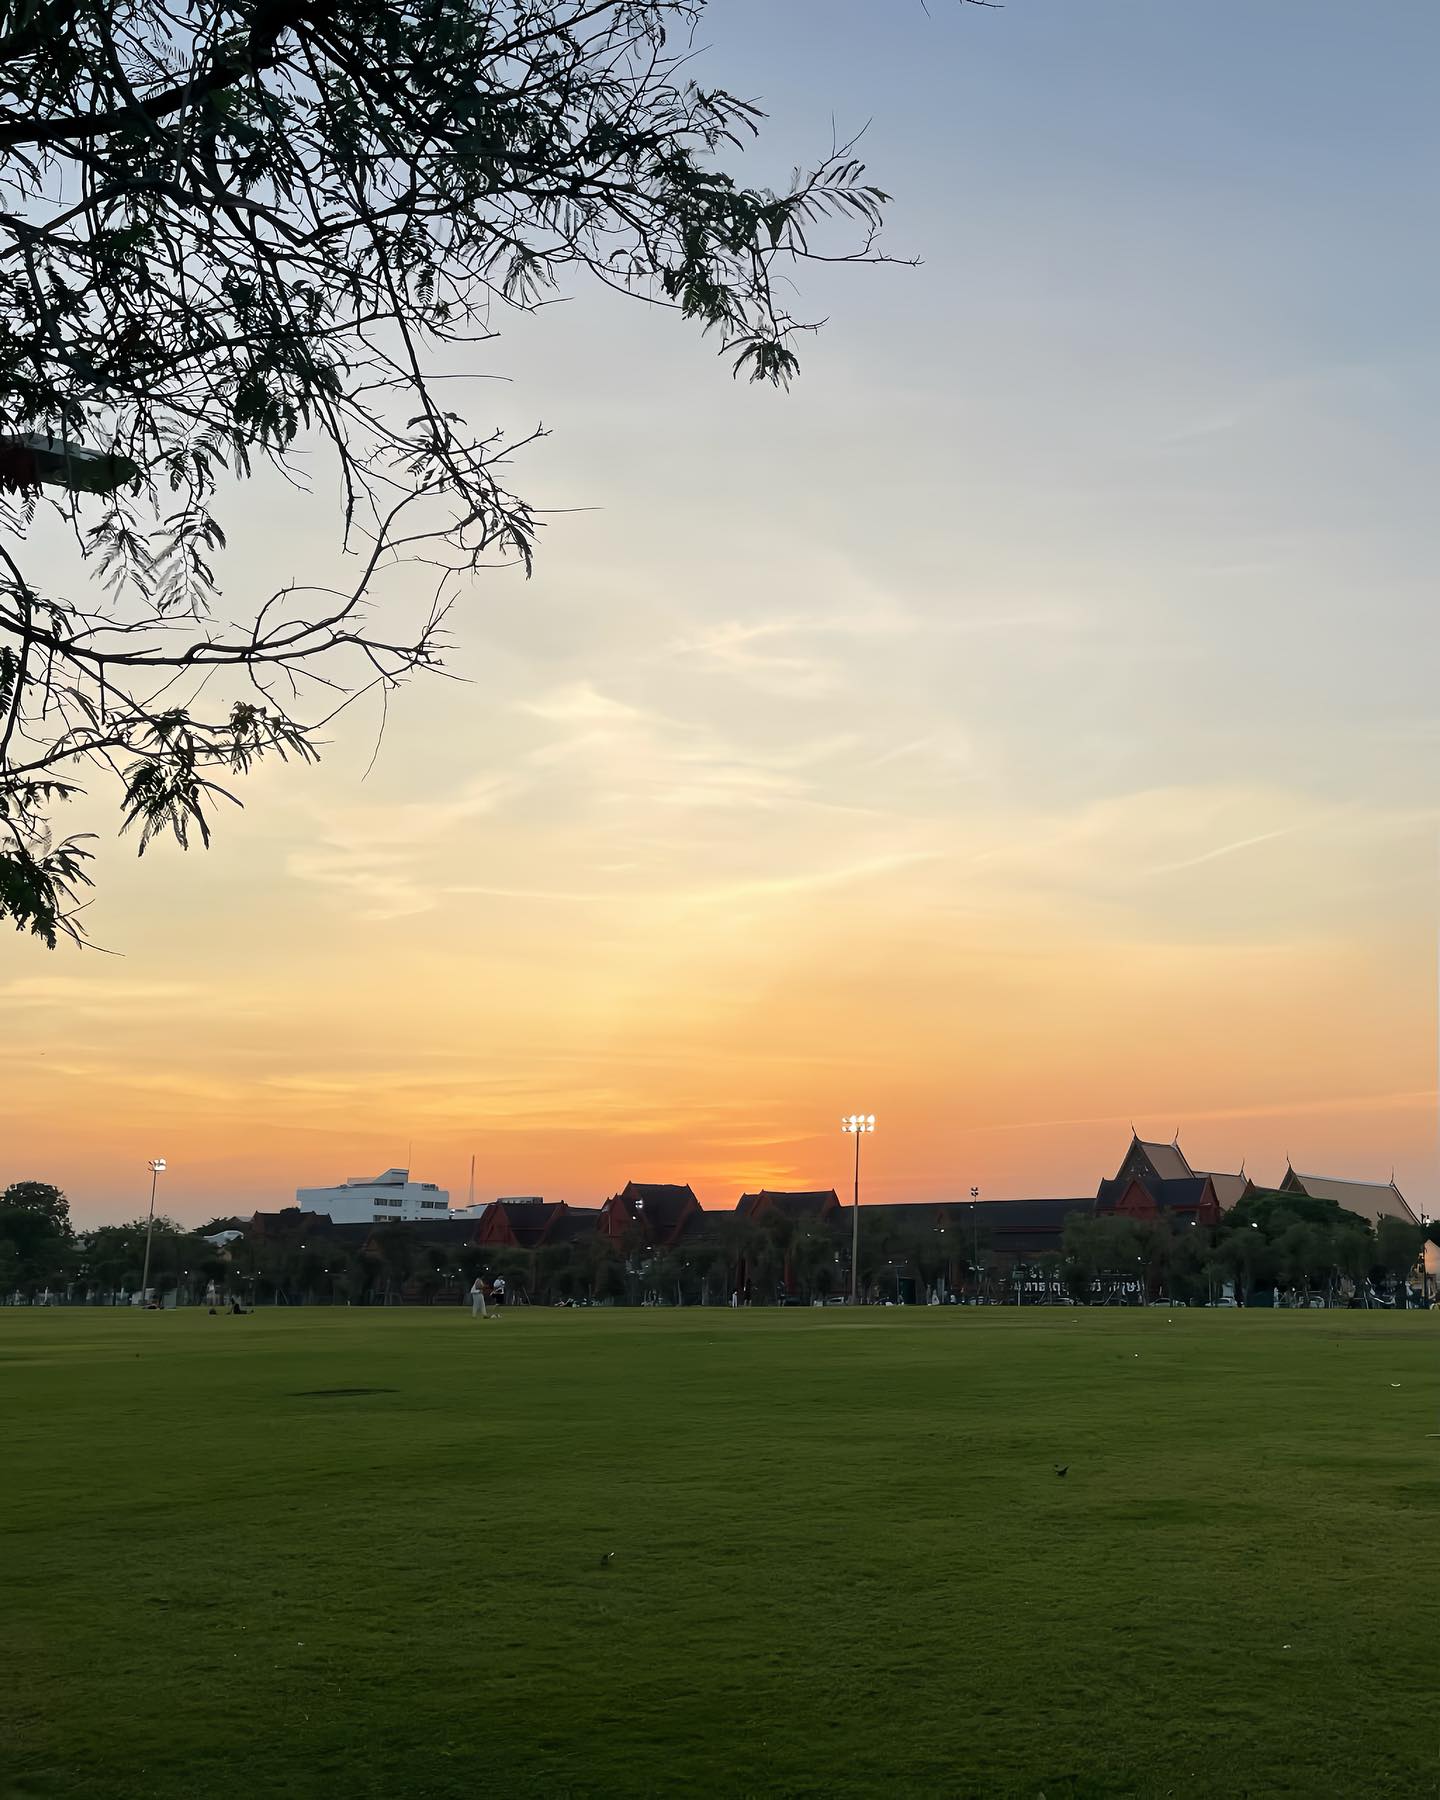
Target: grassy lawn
842, 1561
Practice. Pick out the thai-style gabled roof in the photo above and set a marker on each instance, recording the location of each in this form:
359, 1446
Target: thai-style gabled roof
354, 1234
529, 1221
661, 1207
1167, 1160
451, 1234
653, 1191
810, 1204
1183, 1193
572, 1222
1372, 1199
1228, 1188
289, 1220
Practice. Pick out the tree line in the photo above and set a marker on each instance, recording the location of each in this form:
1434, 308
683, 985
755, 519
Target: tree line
40, 1251
1288, 1241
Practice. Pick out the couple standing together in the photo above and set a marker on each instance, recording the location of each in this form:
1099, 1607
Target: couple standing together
478, 1308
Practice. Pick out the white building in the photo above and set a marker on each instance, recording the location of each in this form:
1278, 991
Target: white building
375, 1199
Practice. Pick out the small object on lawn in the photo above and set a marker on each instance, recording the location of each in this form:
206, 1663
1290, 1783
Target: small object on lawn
1061, 1468
1394, 1384
605, 1556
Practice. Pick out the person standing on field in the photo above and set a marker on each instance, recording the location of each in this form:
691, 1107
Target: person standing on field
477, 1298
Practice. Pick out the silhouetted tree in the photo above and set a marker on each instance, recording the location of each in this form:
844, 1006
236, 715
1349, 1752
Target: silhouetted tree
1215, 1274
40, 1200
665, 1276
114, 1256
237, 229
928, 1257
1397, 1249
513, 1266
1302, 1252
556, 1272
715, 1278
398, 1249
1188, 1253
37, 1248
879, 1242
813, 1259
1240, 1251
605, 1269
1080, 1246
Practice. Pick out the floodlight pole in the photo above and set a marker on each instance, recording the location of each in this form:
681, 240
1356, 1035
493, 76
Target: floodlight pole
858, 1124
975, 1234
156, 1165
855, 1232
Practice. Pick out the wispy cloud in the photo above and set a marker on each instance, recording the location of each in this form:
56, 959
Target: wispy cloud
752, 653
108, 992
1222, 850
583, 703
380, 856
807, 881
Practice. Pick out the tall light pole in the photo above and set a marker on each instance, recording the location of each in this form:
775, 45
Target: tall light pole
975, 1233
157, 1166
858, 1124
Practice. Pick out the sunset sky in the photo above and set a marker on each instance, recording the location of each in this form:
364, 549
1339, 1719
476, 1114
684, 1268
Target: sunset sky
1024, 727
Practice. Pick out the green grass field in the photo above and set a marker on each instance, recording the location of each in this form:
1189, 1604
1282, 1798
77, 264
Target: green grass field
842, 1560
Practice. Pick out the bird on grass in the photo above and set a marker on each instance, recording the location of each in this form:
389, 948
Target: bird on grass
1062, 1468
605, 1558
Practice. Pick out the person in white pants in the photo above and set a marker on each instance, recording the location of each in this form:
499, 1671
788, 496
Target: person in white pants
477, 1299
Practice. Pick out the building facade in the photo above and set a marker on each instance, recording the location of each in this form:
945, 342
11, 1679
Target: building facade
658, 1212
529, 1224
378, 1200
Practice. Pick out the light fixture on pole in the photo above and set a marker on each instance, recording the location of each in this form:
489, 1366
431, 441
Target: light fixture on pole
975, 1235
157, 1168
857, 1124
